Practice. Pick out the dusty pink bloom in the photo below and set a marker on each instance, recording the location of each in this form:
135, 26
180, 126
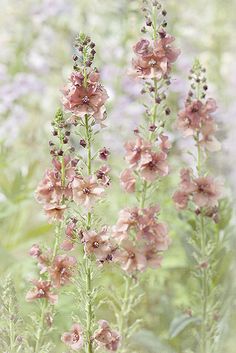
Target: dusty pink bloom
153, 258
153, 164
135, 150
154, 59
42, 258
50, 189
130, 258
187, 187
103, 175
208, 191
189, 119
128, 180
181, 199
74, 338
41, 290
152, 231
80, 97
86, 191
106, 337
128, 218
54, 212
196, 117
98, 243
62, 269
165, 144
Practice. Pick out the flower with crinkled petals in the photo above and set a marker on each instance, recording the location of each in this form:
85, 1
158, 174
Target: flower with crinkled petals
128, 180
153, 60
187, 187
98, 243
153, 258
208, 191
62, 269
102, 175
189, 119
74, 338
81, 98
106, 337
49, 188
135, 150
130, 258
165, 144
128, 218
42, 290
86, 191
153, 164
55, 212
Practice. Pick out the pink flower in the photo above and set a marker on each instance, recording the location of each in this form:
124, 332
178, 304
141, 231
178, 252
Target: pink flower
135, 150
204, 191
154, 59
130, 258
50, 189
196, 118
128, 180
165, 144
42, 290
181, 199
74, 338
98, 243
62, 269
54, 212
106, 337
128, 218
86, 191
103, 175
154, 164
80, 97
153, 258
207, 193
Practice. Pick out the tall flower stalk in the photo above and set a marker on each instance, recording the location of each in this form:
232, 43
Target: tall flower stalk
69, 192
141, 236
199, 194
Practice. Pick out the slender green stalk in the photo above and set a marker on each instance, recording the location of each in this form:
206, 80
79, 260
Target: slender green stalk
89, 309
204, 269
41, 328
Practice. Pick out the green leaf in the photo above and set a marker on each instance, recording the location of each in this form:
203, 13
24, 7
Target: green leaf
179, 324
150, 342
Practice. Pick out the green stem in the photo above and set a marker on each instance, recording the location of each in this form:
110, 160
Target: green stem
143, 194
89, 306
204, 269
41, 328
89, 311
124, 314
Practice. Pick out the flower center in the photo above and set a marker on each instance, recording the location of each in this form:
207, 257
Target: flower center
86, 191
131, 255
96, 244
85, 100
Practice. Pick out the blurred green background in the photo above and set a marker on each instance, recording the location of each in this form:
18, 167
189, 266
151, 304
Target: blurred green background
35, 59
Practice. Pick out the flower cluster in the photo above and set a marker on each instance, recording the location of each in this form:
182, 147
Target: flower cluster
141, 237
204, 191
104, 336
146, 160
151, 239
57, 271
154, 59
196, 118
71, 187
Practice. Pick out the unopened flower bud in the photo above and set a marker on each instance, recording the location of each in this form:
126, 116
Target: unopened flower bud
167, 111
83, 143
148, 22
